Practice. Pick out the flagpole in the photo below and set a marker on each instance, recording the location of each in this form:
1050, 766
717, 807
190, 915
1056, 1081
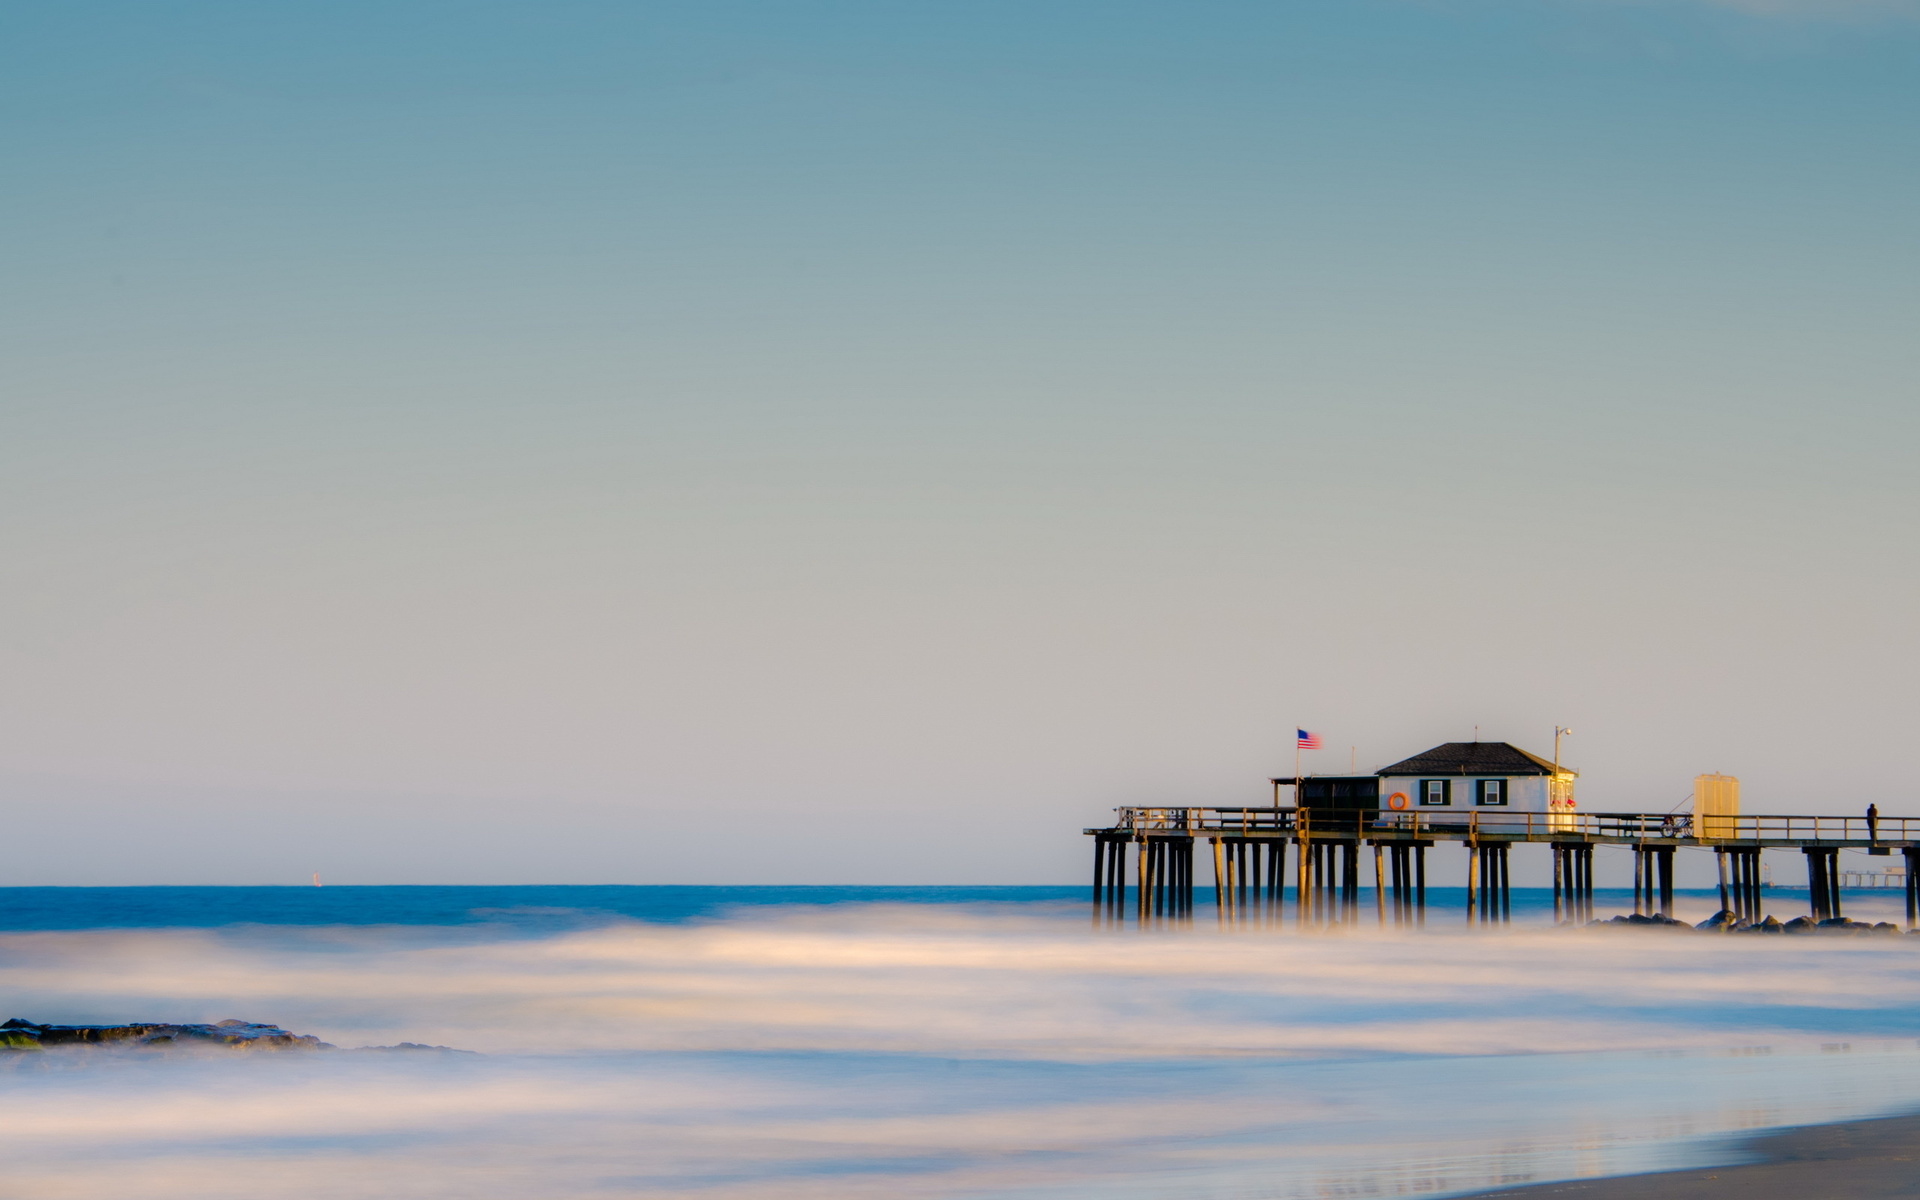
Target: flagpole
1296, 766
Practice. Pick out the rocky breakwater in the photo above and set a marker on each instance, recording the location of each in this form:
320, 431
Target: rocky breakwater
21, 1035
1726, 922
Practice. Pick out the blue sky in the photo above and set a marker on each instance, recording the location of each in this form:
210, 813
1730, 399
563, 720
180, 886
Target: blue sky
445, 428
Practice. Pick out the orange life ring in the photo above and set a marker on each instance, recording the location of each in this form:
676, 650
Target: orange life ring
1397, 800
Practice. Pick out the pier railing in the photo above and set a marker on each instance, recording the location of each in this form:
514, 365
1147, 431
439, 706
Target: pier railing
1475, 824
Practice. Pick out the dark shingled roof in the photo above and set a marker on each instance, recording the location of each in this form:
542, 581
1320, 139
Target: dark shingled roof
1474, 758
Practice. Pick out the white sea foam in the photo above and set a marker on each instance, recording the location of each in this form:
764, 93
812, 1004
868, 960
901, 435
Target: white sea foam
908, 1052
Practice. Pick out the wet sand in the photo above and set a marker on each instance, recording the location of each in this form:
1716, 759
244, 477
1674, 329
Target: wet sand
1853, 1160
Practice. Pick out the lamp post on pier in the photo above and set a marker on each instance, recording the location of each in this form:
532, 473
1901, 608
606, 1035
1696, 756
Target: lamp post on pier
1555, 793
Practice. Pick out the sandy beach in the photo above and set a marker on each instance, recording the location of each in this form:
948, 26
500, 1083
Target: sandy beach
1851, 1160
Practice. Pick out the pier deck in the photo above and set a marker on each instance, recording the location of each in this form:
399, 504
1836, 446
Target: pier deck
1250, 859
1617, 829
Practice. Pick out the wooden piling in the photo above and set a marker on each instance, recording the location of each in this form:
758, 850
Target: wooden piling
1570, 866
1157, 852
1473, 882
1219, 881
1276, 879
1379, 886
1168, 891
1099, 881
1302, 881
1404, 878
1326, 877
1643, 881
1183, 863
1816, 884
1489, 893
1350, 882
1109, 880
1306, 904
1141, 883
1660, 883
1338, 877
1149, 880
1314, 884
1580, 891
1584, 859
1420, 882
1573, 883
1823, 881
1248, 880
1740, 889
1912, 855
1347, 864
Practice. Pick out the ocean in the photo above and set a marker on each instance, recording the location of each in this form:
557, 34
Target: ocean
775, 1043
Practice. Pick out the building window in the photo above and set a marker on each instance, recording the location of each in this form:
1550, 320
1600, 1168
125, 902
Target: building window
1436, 791
1492, 791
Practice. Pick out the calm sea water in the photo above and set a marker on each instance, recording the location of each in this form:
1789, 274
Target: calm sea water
528, 908
798, 1043
541, 908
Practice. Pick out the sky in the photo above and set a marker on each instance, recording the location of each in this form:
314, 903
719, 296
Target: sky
785, 442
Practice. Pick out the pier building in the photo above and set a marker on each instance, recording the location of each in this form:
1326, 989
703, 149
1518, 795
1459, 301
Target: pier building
1489, 797
1474, 775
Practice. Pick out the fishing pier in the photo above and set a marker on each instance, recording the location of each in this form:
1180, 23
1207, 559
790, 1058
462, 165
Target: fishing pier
1396, 816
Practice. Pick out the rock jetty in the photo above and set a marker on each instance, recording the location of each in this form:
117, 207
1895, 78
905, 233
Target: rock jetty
18, 1034
1727, 922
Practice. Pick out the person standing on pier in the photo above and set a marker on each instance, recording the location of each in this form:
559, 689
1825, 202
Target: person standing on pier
1873, 823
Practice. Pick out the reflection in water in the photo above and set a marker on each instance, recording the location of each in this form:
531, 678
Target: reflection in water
938, 1053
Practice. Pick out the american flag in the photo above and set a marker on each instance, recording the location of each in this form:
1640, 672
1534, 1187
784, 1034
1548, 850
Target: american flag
1307, 741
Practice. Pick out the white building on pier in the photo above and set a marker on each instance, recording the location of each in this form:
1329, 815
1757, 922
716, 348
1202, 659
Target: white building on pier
1477, 775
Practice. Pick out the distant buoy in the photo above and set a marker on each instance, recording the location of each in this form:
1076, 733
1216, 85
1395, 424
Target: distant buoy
316, 879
